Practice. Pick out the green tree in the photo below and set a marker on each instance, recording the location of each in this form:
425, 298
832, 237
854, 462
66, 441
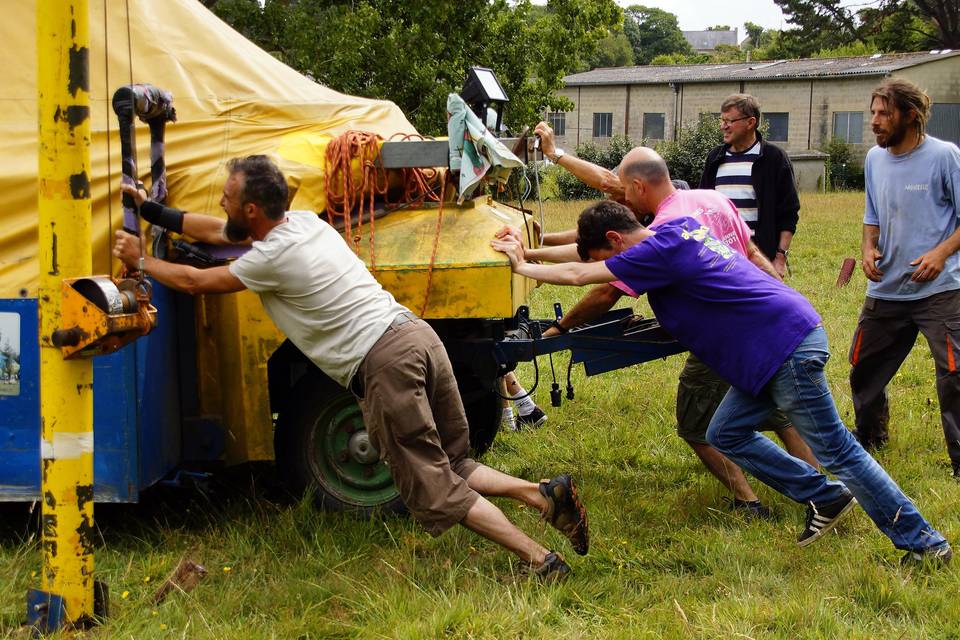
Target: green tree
416, 53
720, 27
654, 32
887, 25
686, 156
613, 51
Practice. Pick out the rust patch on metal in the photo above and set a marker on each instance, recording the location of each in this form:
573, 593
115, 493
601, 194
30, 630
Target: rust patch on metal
49, 499
79, 70
80, 186
74, 115
84, 495
54, 267
86, 532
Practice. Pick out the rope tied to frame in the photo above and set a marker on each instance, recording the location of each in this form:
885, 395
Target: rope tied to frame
345, 193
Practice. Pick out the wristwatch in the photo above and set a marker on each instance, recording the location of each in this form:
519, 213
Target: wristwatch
557, 154
785, 252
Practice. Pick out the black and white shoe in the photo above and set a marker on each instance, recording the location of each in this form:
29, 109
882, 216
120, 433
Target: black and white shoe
532, 420
823, 518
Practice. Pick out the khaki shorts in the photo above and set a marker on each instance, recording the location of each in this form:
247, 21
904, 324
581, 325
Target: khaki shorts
415, 418
699, 393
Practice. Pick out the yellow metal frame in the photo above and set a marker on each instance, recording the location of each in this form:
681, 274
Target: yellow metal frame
99, 333
66, 386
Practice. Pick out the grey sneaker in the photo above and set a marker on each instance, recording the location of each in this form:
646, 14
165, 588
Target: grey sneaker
934, 557
822, 519
553, 569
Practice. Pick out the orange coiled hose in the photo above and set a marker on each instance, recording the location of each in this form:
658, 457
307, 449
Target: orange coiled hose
344, 194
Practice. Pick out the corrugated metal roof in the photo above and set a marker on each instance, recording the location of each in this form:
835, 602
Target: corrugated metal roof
877, 64
703, 40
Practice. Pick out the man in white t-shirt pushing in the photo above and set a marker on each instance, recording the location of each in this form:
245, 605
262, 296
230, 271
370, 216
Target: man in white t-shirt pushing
320, 294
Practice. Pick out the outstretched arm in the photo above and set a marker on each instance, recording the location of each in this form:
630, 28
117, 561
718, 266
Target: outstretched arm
176, 276
588, 173
568, 273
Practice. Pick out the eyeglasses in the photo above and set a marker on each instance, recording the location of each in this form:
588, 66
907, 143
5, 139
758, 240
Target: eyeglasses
724, 121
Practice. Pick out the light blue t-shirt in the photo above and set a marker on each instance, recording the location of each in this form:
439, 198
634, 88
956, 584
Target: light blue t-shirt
914, 199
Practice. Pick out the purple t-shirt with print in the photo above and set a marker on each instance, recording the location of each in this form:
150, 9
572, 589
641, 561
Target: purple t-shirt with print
741, 322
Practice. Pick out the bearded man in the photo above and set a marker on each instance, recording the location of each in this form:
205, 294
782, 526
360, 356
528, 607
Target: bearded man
911, 235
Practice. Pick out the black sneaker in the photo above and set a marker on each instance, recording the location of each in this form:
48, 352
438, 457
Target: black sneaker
532, 420
565, 512
822, 519
936, 556
553, 568
750, 509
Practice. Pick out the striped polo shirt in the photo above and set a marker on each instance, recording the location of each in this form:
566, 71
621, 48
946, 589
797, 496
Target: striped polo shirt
733, 181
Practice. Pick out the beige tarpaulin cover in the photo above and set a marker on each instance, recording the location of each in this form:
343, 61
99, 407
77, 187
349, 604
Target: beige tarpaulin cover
231, 97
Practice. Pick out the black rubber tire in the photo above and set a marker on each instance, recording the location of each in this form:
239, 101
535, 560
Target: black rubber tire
311, 454
483, 409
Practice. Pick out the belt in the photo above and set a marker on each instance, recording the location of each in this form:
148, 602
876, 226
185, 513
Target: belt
403, 318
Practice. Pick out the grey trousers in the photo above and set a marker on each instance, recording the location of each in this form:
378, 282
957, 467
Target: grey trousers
886, 332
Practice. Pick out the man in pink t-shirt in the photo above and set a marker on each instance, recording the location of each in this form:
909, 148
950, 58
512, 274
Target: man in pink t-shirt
647, 188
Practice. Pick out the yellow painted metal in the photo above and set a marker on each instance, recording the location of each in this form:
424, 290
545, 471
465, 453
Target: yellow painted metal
468, 280
99, 333
235, 339
66, 386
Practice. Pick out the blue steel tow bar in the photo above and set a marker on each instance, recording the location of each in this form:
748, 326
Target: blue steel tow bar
619, 339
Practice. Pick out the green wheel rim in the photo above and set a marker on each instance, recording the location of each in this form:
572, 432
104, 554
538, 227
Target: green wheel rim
342, 462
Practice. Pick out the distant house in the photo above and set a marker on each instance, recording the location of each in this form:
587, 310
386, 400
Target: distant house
804, 102
707, 41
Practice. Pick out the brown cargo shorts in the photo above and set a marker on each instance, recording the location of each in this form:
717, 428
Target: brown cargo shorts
699, 393
415, 418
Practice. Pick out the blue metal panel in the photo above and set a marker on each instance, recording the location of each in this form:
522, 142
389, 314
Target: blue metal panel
20, 414
136, 410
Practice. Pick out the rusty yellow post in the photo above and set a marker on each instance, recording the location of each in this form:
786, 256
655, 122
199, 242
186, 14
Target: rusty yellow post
66, 386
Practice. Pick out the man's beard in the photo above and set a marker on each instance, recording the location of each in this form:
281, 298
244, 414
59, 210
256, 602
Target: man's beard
894, 138
235, 231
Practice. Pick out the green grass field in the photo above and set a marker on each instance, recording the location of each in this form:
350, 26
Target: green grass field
667, 559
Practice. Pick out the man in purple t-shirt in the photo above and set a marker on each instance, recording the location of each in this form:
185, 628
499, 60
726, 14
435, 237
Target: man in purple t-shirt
645, 186
767, 341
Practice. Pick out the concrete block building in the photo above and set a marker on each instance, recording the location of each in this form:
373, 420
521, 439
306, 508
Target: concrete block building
804, 102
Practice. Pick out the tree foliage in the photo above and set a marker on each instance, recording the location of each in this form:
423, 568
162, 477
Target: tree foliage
415, 53
653, 32
613, 51
888, 25
686, 157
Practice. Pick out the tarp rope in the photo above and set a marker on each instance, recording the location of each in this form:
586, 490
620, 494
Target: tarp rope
344, 193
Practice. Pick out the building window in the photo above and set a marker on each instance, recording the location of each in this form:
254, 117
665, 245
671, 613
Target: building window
777, 126
558, 122
602, 125
848, 126
653, 126
945, 122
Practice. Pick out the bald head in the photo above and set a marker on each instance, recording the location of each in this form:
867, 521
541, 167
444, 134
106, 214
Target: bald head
646, 164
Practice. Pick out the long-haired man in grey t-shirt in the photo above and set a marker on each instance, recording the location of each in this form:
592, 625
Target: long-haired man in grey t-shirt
911, 235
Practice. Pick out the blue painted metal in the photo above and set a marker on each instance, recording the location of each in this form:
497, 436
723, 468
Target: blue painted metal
615, 341
136, 408
45, 611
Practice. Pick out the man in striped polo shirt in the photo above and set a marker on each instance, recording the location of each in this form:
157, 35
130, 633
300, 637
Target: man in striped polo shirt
757, 176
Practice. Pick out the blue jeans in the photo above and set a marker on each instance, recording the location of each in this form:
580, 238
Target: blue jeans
800, 389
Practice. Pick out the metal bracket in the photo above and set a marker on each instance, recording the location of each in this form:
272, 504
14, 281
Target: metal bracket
46, 612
